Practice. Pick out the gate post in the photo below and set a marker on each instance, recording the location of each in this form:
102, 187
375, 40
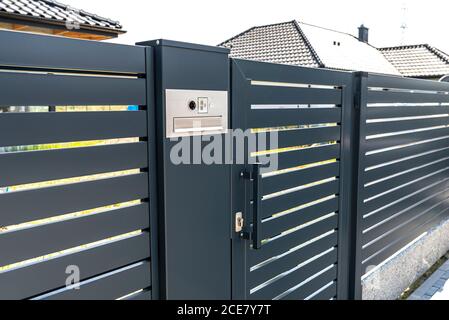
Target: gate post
191, 89
356, 180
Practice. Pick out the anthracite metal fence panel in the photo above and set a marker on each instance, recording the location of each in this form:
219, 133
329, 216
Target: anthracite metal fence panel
118, 283
76, 194
41, 90
298, 213
66, 163
56, 53
403, 184
55, 127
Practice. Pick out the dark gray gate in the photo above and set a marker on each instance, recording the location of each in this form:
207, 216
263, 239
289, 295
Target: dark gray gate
75, 178
296, 218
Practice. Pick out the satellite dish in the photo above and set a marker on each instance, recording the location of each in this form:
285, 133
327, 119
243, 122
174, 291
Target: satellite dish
445, 78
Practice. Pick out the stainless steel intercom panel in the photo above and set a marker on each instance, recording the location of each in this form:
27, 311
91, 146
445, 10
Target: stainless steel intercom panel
196, 112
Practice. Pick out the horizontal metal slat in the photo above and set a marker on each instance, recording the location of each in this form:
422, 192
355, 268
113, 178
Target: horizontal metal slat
312, 286
111, 286
405, 218
404, 125
294, 179
413, 150
27, 282
38, 241
36, 204
400, 243
69, 54
292, 159
276, 226
405, 97
415, 197
18, 129
397, 82
405, 111
286, 282
144, 295
294, 199
66, 163
291, 260
388, 241
326, 294
403, 139
26, 89
292, 240
403, 192
274, 72
407, 177
268, 118
278, 95
398, 167
302, 137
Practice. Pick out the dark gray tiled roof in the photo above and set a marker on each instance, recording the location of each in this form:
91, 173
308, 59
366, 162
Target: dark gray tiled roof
302, 44
418, 60
277, 43
53, 10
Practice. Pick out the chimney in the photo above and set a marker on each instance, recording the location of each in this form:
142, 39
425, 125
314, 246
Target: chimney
363, 33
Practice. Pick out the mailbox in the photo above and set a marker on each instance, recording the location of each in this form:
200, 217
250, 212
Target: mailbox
196, 112
191, 93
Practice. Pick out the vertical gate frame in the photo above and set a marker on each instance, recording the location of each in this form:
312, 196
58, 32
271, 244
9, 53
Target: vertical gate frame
358, 119
344, 238
152, 171
238, 194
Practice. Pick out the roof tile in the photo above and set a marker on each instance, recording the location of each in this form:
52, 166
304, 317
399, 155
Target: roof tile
278, 43
301, 44
53, 10
418, 60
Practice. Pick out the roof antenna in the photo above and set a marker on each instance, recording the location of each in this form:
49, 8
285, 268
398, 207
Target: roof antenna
404, 25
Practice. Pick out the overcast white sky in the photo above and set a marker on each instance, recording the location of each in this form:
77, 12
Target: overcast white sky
211, 21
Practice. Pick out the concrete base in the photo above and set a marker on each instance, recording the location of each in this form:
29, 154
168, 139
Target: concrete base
390, 280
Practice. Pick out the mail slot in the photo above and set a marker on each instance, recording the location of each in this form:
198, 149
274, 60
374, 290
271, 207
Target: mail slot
198, 125
196, 112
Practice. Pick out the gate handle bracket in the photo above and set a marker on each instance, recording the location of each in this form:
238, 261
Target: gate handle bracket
254, 176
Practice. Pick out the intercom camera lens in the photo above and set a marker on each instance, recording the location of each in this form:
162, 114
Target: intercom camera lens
192, 105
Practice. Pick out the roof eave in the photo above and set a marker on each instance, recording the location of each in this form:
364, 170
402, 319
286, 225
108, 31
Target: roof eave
56, 24
404, 47
424, 76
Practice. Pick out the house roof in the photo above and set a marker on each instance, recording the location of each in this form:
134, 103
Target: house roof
277, 43
420, 60
55, 13
302, 44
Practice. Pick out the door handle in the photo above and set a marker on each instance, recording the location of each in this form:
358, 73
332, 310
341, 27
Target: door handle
254, 235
